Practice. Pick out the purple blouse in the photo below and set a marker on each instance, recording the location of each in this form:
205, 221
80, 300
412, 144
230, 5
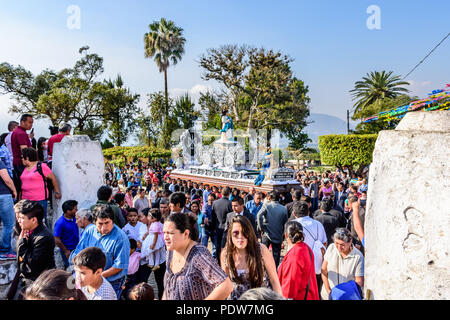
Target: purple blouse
200, 275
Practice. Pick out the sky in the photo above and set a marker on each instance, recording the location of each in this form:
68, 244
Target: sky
330, 41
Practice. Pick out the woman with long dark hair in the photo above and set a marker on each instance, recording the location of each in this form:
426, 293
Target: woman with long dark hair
247, 263
42, 149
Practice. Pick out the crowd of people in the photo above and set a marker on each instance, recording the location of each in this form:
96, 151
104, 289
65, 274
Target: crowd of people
200, 241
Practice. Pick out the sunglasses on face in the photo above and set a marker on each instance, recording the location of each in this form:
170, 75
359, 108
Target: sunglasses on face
236, 234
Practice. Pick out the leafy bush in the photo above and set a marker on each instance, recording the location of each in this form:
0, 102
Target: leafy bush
144, 152
352, 151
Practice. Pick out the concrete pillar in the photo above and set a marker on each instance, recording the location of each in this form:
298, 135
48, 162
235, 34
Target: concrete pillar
407, 225
79, 167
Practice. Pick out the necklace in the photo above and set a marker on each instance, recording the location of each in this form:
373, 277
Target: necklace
178, 258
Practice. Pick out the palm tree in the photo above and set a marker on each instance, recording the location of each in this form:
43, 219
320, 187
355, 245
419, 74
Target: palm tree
374, 88
165, 43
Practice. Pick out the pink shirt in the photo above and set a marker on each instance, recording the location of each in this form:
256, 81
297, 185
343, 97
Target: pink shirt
133, 263
33, 183
129, 200
157, 227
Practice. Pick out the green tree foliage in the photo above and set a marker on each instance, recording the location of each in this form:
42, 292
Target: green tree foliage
212, 104
121, 109
227, 65
377, 107
122, 155
107, 144
71, 95
184, 112
24, 87
374, 88
147, 132
165, 43
262, 90
352, 151
164, 123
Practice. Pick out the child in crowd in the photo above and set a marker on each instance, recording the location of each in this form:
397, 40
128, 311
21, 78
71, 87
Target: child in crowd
133, 266
142, 291
66, 231
131, 229
153, 246
89, 265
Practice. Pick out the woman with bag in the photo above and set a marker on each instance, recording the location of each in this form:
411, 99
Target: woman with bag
248, 263
342, 263
34, 179
297, 272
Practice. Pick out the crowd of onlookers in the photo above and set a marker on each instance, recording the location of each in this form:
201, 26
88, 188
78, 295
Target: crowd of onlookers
200, 241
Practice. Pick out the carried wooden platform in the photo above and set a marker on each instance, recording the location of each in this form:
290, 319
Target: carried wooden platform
234, 183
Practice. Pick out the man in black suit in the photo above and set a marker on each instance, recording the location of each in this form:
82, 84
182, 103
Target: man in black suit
239, 208
339, 197
35, 245
220, 209
296, 198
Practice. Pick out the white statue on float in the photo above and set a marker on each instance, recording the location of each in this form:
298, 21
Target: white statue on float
227, 128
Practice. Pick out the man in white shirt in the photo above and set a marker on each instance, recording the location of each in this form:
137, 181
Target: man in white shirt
315, 236
152, 194
141, 202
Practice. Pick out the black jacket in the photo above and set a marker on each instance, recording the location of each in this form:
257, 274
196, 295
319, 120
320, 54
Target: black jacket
246, 214
220, 209
36, 254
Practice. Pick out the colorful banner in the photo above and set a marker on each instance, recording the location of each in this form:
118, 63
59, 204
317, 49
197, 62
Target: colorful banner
437, 100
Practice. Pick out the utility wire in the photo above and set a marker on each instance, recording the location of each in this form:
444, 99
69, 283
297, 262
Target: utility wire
427, 55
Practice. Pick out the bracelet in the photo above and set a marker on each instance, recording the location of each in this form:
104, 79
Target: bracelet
57, 193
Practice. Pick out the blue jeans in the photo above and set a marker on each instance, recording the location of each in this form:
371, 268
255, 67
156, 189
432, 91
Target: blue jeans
205, 237
64, 258
8, 217
44, 205
117, 286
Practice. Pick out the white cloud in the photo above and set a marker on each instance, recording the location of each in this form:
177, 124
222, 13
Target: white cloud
194, 92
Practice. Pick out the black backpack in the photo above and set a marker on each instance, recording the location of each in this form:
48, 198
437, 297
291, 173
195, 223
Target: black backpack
39, 169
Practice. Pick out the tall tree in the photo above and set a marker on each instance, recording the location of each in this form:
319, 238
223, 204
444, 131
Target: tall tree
184, 112
165, 43
163, 122
24, 87
267, 82
227, 65
211, 105
121, 110
375, 87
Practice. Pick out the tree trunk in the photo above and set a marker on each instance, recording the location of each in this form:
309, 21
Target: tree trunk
166, 119
235, 109
250, 118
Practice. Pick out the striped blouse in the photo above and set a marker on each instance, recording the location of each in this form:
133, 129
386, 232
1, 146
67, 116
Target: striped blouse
200, 275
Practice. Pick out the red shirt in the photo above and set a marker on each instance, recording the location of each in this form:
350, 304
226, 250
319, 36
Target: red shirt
295, 271
19, 138
53, 139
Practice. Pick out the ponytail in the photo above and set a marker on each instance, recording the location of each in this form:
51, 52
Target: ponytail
294, 231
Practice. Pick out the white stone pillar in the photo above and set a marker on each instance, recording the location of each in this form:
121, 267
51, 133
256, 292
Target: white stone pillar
407, 224
79, 167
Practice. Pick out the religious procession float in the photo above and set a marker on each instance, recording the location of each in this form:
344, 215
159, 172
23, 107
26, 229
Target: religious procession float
226, 162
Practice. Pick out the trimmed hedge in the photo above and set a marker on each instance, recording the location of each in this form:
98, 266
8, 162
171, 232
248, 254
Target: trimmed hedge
117, 155
347, 150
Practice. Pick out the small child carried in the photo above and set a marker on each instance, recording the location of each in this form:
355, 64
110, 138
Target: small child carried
153, 247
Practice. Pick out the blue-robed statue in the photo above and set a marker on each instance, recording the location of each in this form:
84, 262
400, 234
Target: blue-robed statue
227, 127
266, 165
